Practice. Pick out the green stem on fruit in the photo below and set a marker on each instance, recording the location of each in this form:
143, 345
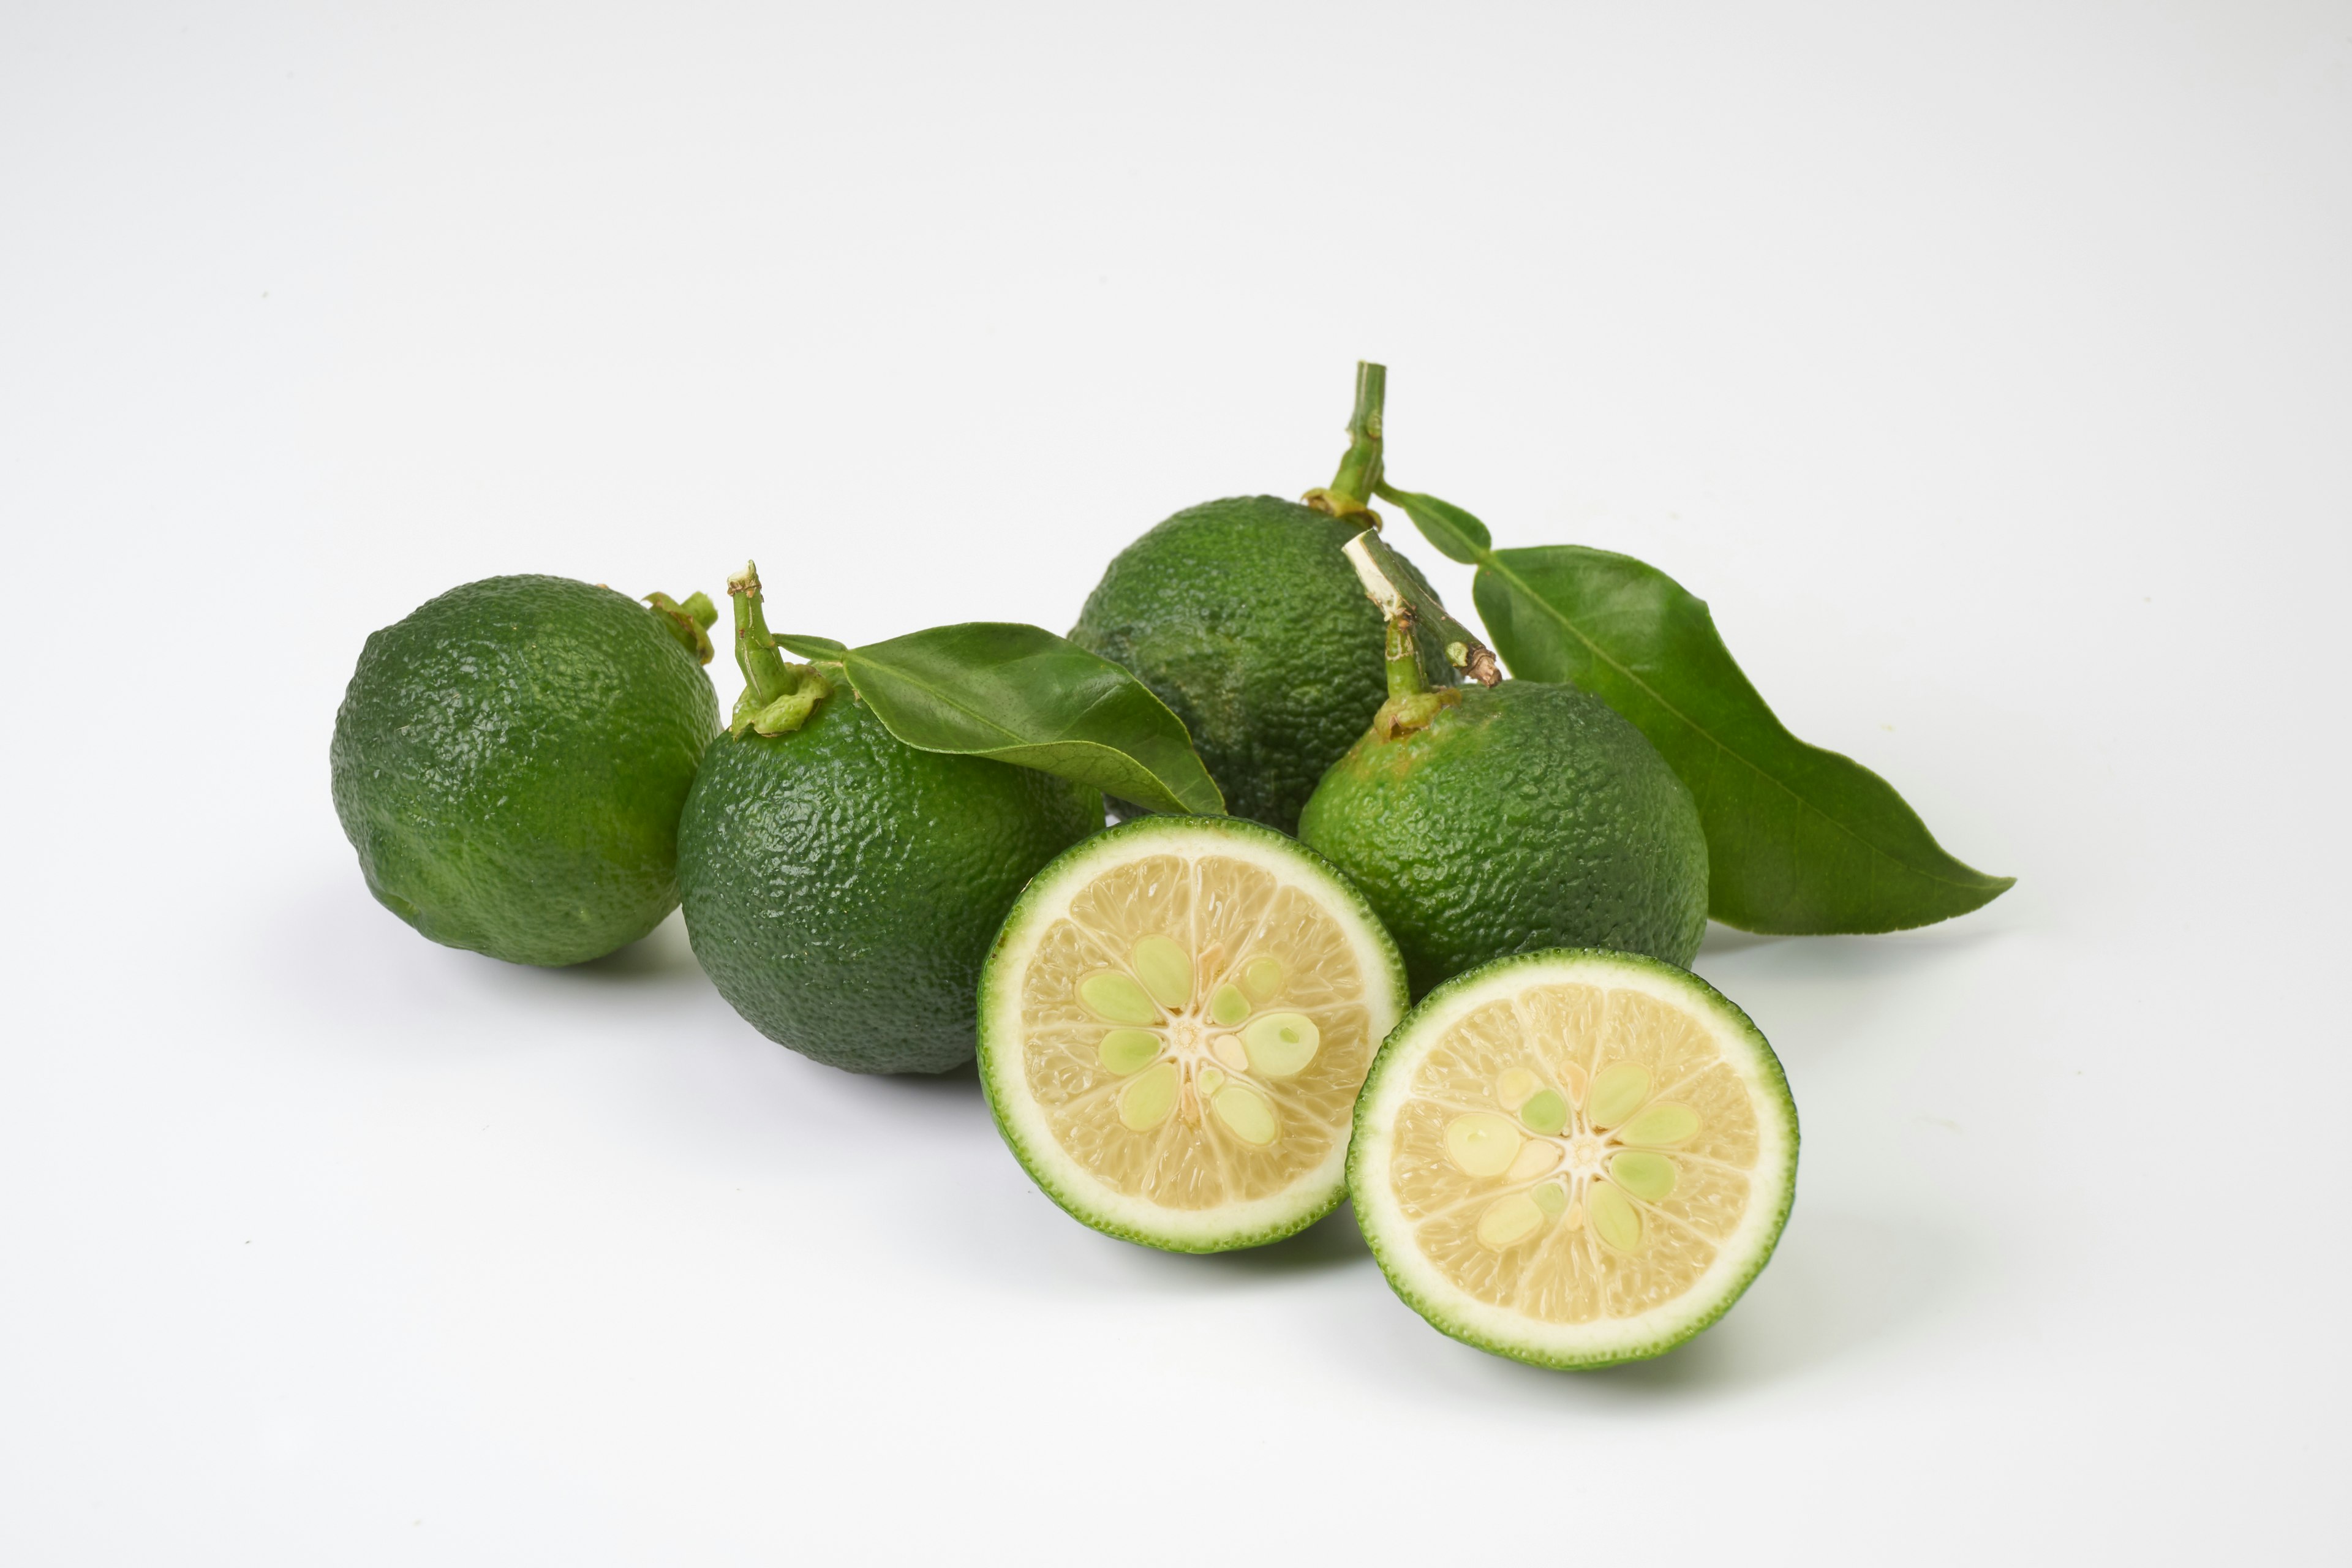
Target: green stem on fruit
1411, 704
777, 697
1401, 652
1351, 488
765, 675
689, 623
1375, 563
1359, 477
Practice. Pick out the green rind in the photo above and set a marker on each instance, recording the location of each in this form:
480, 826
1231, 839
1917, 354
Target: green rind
1523, 817
998, 995
1388, 1234
510, 762
842, 887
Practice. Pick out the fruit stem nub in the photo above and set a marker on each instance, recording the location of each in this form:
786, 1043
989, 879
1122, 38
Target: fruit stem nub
755, 651
777, 697
1412, 704
1406, 678
1401, 603
1360, 470
689, 623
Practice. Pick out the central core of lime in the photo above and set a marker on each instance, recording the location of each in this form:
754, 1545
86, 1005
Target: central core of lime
1155, 988
1199, 1028
1576, 1152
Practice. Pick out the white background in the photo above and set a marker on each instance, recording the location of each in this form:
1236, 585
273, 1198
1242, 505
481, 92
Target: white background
1988, 367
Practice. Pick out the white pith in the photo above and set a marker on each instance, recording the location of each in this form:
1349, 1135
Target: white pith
1429, 1288
1191, 1038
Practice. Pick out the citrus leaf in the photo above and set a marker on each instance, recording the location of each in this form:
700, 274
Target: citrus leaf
810, 647
1020, 694
1800, 840
1457, 535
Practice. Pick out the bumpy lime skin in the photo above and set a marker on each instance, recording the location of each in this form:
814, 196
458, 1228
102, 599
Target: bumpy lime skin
1243, 617
510, 762
842, 887
1527, 815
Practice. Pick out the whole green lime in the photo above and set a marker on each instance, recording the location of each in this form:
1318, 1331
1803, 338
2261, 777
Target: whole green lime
843, 888
1525, 815
510, 762
1243, 617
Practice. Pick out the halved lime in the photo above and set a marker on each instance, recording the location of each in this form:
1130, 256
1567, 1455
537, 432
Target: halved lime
1174, 1026
1574, 1158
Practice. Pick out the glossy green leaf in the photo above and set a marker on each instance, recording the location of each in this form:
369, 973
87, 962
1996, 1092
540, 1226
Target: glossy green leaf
1457, 535
1020, 694
810, 647
1799, 839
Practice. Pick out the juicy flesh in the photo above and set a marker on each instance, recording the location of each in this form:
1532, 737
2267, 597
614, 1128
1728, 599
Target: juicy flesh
1195, 1030
1574, 1152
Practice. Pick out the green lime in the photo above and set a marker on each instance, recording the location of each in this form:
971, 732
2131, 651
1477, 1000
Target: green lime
1497, 820
1245, 618
509, 761
1174, 1026
841, 888
1573, 1158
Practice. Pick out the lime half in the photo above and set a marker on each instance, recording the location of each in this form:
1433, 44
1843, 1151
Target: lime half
1174, 1026
1574, 1158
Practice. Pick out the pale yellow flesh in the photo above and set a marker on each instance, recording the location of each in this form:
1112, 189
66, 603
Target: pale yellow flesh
1575, 1153
1194, 1030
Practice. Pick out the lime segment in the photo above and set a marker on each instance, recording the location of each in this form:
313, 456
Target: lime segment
1647, 1176
1145, 1103
1166, 970
1510, 1220
1661, 1124
1618, 1090
1248, 1116
1482, 1143
1545, 1111
1537, 1157
1124, 1052
1280, 1044
1117, 998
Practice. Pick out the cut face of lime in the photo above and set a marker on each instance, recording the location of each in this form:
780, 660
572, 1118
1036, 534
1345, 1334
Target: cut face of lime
1174, 1026
1574, 1158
